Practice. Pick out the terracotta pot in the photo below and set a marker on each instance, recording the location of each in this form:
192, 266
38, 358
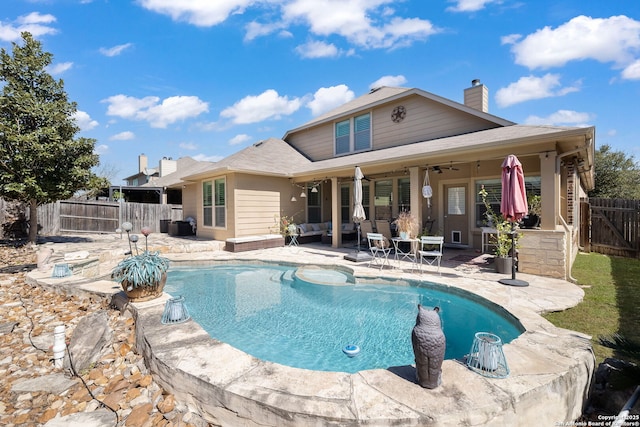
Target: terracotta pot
145, 293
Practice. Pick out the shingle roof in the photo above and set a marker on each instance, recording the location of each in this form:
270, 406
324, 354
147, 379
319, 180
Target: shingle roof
268, 157
276, 157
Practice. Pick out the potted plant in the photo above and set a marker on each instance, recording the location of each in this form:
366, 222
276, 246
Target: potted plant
501, 241
285, 226
143, 275
532, 219
407, 225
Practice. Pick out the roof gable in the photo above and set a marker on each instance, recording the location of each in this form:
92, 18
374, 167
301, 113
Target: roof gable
386, 94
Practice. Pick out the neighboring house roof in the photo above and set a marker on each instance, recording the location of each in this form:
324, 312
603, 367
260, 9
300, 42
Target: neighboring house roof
268, 157
387, 94
185, 166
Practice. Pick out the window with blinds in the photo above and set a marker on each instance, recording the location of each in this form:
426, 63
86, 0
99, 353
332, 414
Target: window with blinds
456, 201
493, 188
220, 202
353, 135
207, 203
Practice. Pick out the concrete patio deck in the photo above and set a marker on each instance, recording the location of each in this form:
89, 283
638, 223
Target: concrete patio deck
551, 368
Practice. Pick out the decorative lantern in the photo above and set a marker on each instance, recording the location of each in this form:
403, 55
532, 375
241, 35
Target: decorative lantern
486, 356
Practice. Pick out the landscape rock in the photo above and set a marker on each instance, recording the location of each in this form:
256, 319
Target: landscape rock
89, 340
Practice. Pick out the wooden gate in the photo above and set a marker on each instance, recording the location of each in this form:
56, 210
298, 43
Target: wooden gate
615, 227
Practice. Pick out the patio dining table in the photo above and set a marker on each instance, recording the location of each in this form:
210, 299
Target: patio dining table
401, 253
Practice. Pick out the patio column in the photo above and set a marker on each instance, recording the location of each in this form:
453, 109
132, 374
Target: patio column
336, 239
415, 185
549, 190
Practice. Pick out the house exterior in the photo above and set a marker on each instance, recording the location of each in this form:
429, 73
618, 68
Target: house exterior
161, 185
397, 136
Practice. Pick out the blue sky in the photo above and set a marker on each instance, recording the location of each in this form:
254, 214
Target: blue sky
205, 79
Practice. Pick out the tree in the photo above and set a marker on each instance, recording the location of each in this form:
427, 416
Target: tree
617, 175
40, 161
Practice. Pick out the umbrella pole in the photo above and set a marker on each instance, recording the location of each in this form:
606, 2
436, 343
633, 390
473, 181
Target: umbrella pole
513, 281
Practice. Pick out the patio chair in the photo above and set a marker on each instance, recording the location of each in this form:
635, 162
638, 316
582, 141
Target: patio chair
380, 249
431, 250
383, 227
365, 228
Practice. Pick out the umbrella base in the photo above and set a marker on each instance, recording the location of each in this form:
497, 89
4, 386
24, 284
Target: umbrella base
358, 257
513, 282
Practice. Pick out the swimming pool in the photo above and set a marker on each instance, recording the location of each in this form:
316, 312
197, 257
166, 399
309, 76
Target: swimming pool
268, 311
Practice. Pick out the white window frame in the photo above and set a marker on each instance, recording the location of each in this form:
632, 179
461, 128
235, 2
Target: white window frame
214, 215
352, 134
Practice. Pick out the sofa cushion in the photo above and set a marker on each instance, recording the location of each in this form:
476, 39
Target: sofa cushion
303, 228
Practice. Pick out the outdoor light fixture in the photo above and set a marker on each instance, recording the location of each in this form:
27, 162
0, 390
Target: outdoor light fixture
293, 199
303, 194
314, 189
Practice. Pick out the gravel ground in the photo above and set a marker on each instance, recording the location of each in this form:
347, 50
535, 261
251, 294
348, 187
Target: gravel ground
119, 382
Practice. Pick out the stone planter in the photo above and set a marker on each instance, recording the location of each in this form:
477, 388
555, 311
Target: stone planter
145, 293
503, 264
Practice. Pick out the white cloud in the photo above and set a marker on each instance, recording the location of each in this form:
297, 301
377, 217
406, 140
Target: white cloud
469, 5
188, 146
267, 105
159, 115
201, 13
123, 136
562, 117
207, 158
317, 49
239, 139
327, 98
34, 23
610, 40
59, 68
363, 22
393, 81
101, 149
531, 87
370, 24
84, 121
115, 50
510, 39
632, 71
255, 29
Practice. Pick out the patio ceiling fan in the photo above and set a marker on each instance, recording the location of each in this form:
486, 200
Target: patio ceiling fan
440, 169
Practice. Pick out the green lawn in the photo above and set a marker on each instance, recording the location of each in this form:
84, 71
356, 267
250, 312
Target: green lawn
611, 303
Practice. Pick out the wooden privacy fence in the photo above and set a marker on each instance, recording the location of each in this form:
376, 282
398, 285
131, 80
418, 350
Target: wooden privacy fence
614, 227
73, 216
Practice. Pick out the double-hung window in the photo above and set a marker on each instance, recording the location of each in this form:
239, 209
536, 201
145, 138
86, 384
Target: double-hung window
220, 202
207, 204
214, 203
353, 134
493, 187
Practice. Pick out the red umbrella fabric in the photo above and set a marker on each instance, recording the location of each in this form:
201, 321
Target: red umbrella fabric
513, 205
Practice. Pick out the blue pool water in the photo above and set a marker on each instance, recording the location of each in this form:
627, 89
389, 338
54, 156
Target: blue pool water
268, 312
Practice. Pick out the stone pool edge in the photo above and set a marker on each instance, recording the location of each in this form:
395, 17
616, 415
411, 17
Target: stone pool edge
550, 378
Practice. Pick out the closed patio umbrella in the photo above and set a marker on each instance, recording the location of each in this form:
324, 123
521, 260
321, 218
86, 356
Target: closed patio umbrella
359, 214
513, 206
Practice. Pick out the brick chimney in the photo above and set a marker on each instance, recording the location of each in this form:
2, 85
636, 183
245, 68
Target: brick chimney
477, 96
